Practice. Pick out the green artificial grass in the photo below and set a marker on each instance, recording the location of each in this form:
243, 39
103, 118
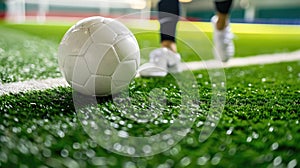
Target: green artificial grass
24, 56
259, 126
29, 51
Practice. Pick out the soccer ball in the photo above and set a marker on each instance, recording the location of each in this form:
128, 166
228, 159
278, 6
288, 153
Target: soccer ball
98, 56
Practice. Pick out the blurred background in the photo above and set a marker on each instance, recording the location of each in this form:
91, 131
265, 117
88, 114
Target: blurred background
253, 11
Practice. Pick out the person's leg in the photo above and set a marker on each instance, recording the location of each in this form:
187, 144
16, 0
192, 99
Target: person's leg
165, 60
222, 9
222, 36
168, 15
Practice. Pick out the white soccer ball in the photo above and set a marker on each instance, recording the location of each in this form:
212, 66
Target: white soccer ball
98, 56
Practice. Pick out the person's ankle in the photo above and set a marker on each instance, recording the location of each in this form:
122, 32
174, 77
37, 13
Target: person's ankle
171, 45
222, 21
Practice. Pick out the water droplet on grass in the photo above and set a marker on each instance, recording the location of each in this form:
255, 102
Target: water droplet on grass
3, 157
47, 143
130, 150
185, 161
46, 152
64, 153
99, 161
129, 126
68, 162
222, 84
174, 151
164, 165
115, 125
216, 159
107, 132
76, 145
289, 68
289, 137
117, 146
147, 149
34, 150
190, 140
255, 135
22, 148
199, 76
60, 133
292, 163
84, 122
122, 122
29, 130
16, 129
200, 123
232, 151
203, 160
2, 127
90, 153
170, 142
123, 134
277, 161
77, 155
93, 144
274, 146
268, 157
229, 131
129, 165
271, 129
249, 139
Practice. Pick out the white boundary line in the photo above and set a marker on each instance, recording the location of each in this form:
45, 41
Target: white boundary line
246, 61
17, 87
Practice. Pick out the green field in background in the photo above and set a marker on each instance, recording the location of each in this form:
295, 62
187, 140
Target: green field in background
250, 39
28, 51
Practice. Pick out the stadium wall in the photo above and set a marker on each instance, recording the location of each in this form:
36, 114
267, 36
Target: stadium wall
289, 15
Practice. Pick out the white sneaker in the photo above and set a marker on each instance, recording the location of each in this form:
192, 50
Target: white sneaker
223, 45
162, 61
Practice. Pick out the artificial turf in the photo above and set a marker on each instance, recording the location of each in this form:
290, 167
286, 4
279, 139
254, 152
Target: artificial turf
24, 56
259, 126
29, 51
